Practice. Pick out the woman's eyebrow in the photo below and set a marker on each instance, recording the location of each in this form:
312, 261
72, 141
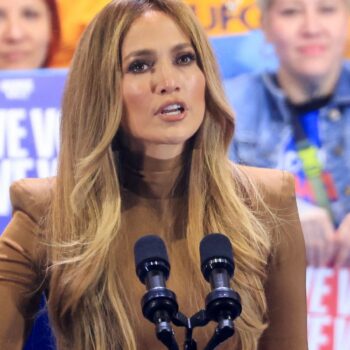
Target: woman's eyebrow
182, 46
150, 52
139, 53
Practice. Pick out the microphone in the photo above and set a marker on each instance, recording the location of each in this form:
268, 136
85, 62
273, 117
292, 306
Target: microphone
151, 261
159, 304
223, 304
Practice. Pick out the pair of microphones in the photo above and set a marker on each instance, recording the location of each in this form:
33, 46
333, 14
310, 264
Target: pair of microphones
159, 304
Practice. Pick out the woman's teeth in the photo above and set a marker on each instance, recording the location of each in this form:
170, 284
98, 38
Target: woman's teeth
173, 109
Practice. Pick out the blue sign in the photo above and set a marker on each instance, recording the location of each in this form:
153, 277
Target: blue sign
29, 128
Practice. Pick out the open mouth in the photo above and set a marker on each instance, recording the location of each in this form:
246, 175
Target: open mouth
173, 109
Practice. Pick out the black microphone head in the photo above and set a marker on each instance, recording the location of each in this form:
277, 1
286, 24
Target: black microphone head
216, 251
150, 253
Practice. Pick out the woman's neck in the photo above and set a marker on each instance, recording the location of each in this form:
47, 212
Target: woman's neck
302, 89
150, 149
162, 152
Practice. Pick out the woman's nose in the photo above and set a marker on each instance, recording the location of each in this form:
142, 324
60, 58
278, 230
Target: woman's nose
165, 80
13, 30
311, 23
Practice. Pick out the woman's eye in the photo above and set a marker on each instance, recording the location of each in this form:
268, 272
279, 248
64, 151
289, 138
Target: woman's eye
30, 14
289, 12
139, 66
186, 59
328, 9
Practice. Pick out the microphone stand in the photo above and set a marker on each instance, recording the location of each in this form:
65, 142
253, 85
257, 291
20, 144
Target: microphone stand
159, 304
164, 330
223, 331
181, 320
222, 306
160, 307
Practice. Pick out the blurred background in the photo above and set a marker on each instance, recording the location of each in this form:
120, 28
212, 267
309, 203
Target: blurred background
36, 47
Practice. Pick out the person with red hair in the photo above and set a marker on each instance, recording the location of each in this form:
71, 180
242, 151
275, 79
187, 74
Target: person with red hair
29, 33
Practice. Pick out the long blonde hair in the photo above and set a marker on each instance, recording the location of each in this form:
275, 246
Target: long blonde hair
86, 303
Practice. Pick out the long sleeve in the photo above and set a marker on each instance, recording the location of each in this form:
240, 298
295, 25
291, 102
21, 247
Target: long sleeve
19, 281
21, 257
286, 282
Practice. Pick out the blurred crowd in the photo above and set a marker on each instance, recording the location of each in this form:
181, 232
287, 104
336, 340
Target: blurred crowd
297, 118
42, 33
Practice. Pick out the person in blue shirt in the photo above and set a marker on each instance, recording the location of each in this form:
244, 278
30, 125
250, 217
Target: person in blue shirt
298, 117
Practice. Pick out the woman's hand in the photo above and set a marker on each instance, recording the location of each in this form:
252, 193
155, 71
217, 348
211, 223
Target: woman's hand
319, 234
342, 243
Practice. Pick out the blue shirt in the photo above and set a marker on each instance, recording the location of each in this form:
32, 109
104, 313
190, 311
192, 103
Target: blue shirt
264, 131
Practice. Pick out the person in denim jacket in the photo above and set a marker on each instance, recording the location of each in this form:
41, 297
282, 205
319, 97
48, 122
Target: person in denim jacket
310, 92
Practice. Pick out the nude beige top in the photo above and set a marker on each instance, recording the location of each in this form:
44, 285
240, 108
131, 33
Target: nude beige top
148, 197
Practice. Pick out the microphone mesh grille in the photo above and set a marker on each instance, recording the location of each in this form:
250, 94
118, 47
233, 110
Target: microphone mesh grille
215, 245
150, 247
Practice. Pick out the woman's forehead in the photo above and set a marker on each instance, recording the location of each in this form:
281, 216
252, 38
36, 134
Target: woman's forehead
151, 30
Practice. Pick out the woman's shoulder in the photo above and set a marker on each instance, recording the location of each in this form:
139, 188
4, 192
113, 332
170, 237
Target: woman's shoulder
245, 79
271, 195
32, 196
243, 86
275, 186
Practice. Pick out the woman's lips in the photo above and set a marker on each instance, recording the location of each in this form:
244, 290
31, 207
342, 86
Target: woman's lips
173, 117
312, 50
13, 56
172, 111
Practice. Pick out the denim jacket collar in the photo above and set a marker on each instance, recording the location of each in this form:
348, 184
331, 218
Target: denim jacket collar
341, 94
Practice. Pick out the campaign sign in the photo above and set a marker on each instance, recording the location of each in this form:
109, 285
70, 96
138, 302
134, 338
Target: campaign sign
328, 297
29, 127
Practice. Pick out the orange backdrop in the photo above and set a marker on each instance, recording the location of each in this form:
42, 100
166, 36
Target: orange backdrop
217, 16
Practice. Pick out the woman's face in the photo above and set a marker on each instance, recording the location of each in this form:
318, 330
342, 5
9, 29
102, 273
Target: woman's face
309, 35
25, 33
163, 87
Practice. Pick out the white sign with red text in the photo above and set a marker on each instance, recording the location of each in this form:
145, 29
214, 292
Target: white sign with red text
328, 298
